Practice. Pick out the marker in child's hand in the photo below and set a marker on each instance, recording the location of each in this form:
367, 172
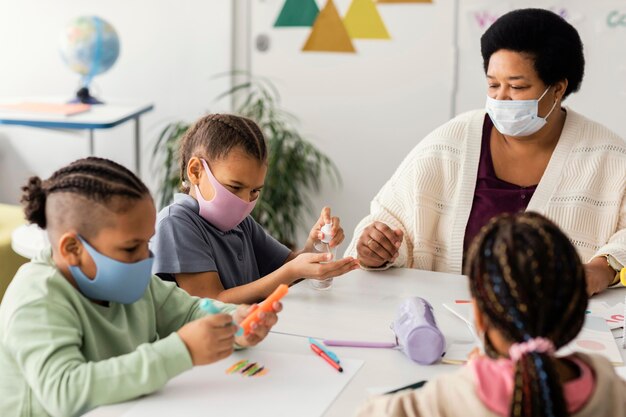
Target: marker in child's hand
267, 305
208, 306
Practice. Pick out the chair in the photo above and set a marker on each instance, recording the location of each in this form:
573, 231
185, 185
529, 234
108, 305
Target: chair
11, 217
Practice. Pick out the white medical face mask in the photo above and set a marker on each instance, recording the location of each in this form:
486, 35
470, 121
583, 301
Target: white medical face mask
517, 117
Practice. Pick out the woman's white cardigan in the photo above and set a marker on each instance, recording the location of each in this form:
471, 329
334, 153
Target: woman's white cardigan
429, 197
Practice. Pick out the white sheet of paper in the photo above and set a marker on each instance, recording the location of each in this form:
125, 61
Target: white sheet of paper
463, 311
614, 315
457, 353
621, 371
373, 391
595, 337
295, 385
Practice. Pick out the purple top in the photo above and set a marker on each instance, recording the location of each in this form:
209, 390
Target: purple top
492, 196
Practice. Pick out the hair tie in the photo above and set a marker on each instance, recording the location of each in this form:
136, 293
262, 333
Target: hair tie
537, 344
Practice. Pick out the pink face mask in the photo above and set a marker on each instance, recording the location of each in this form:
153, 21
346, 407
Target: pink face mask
225, 210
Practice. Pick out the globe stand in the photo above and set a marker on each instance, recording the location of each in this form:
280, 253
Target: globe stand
83, 96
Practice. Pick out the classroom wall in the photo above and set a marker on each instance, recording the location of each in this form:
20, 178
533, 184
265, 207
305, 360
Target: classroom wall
365, 110
170, 50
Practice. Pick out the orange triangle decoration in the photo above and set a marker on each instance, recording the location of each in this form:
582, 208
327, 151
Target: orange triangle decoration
363, 21
328, 33
404, 1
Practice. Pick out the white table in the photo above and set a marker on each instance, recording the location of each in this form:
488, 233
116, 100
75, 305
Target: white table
360, 306
100, 116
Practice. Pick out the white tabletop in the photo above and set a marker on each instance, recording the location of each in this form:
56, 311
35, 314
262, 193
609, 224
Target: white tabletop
361, 305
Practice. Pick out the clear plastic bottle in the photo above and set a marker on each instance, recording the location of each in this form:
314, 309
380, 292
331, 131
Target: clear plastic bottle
322, 246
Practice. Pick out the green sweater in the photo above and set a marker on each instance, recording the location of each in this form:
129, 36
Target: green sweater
63, 355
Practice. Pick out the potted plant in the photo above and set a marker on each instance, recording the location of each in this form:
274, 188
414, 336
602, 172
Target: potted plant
296, 166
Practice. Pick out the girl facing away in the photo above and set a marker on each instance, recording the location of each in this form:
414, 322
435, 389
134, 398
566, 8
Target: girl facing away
207, 242
85, 323
529, 295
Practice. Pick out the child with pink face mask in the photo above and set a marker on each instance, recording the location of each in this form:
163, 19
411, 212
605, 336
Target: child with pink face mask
207, 242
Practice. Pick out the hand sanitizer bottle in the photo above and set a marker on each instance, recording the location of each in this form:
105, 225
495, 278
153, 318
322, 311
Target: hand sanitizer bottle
322, 246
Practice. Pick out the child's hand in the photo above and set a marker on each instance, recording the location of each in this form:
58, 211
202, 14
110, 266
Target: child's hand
209, 339
474, 354
267, 319
316, 231
308, 265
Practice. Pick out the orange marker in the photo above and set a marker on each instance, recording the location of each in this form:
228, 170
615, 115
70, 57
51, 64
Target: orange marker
266, 305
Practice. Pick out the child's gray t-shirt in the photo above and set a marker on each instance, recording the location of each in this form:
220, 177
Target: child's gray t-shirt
186, 243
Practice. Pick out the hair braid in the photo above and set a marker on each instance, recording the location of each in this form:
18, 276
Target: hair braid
528, 280
96, 179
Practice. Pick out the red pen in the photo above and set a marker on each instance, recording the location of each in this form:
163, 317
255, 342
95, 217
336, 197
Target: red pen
327, 358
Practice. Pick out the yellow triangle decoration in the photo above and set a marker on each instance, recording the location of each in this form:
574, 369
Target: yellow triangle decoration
328, 33
363, 21
404, 1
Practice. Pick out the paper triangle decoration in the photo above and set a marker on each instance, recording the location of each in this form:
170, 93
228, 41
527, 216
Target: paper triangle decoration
404, 1
297, 13
328, 33
362, 21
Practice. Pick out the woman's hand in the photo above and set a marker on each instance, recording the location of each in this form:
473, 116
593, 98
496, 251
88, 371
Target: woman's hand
599, 275
260, 329
378, 245
316, 231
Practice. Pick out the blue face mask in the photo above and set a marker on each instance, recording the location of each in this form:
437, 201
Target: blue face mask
115, 281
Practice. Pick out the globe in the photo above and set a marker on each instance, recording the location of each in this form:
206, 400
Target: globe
89, 46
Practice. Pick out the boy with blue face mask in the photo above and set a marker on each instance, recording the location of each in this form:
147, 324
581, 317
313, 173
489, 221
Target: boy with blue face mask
85, 323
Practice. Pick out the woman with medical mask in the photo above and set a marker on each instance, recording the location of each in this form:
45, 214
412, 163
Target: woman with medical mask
523, 152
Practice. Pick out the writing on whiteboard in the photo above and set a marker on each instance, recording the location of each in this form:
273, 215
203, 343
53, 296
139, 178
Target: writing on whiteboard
615, 19
485, 18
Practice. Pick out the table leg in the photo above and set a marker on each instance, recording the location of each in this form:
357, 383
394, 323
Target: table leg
91, 143
137, 147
